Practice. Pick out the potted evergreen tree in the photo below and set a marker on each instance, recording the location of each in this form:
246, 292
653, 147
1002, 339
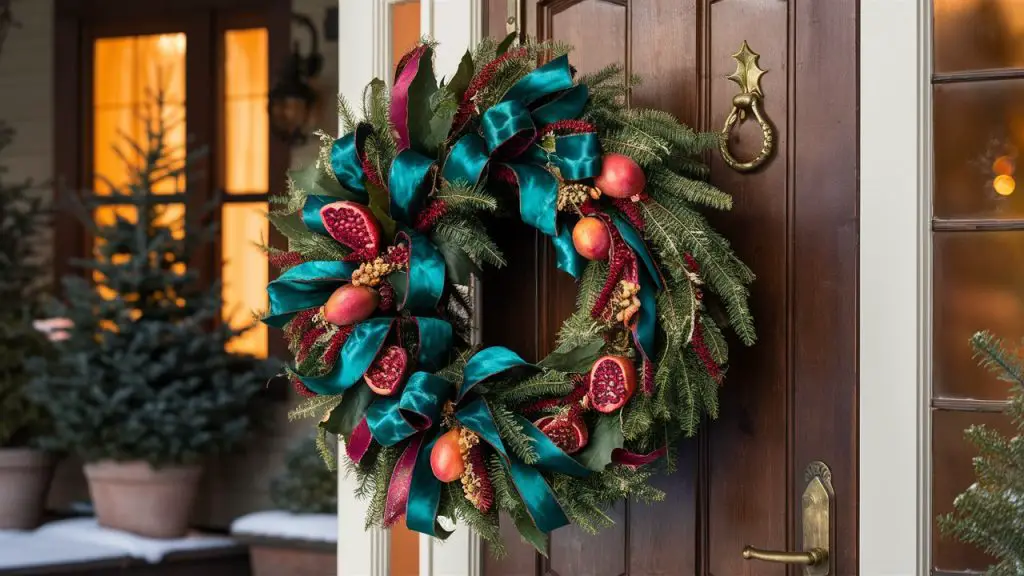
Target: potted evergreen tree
143, 389
300, 537
990, 513
25, 471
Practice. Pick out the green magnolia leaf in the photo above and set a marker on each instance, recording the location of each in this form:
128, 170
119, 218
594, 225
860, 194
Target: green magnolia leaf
290, 225
399, 280
314, 181
532, 535
506, 44
460, 82
380, 205
344, 419
578, 359
421, 111
604, 438
460, 266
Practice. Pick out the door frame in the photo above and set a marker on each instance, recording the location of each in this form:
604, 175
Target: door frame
895, 287
894, 281
456, 25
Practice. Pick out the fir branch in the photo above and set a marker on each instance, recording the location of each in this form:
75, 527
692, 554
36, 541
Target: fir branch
580, 327
469, 234
486, 525
646, 150
349, 121
511, 432
715, 340
506, 496
384, 465
696, 191
460, 197
990, 352
676, 230
548, 383
323, 446
315, 407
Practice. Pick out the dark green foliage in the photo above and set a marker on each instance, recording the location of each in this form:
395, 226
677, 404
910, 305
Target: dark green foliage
305, 486
990, 513
23, 274
144, 374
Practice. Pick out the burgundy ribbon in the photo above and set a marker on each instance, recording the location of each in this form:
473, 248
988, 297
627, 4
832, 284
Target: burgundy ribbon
400, 96
359, 441
634, 460
401, 482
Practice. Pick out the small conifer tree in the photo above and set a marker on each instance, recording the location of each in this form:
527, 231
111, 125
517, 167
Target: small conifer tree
990, 513
306, 485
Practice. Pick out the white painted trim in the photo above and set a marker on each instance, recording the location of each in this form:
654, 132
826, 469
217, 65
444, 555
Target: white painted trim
894, 281
361, 23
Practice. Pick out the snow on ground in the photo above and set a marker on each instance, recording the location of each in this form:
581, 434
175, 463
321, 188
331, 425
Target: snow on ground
28, 549
280, 524
86, 531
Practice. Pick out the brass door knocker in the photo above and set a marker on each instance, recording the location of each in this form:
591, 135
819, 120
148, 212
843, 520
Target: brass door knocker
748, 76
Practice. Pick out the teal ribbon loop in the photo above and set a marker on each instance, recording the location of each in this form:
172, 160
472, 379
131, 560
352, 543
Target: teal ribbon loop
425, 280
416, 415
650, 283
302, 287
346, 160
567, 259
408, 184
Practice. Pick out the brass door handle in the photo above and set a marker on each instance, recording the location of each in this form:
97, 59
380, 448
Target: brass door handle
812, 557
748, 77
817, 504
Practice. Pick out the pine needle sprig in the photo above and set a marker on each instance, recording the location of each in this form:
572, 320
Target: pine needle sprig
470, 234
315, 407
463, 198
544, 384
512, 434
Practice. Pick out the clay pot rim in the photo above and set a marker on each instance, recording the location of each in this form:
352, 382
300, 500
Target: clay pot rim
22, 457
138, 470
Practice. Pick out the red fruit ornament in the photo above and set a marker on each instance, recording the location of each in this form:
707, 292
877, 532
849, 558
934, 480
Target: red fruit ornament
387, 372
567, 431
620, 177
350, 304
591, 238
612, 383
353, 225
446, 457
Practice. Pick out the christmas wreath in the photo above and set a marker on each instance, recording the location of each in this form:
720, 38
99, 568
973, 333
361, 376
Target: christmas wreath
385, 231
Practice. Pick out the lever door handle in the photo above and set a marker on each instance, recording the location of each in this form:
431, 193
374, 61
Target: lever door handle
812, 557
816, 506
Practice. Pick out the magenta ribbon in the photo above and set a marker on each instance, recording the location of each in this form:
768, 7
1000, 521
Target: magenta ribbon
400, 96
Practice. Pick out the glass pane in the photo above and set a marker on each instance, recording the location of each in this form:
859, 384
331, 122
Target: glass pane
129, 72
405, 29
952, 473
978, 285
246, 124
243, 228
979, 133
978, 34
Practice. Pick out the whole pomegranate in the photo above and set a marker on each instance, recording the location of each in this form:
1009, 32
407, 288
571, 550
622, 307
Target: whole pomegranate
612, 383
620, 177
591, 238
446, 457
353, 225
350, 304
567, 431
387, 373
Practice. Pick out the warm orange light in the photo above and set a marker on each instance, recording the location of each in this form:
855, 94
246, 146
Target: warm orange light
1003, 166
1004, 185
243, 228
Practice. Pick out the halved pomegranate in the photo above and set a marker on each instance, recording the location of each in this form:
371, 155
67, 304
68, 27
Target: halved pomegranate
612, 382
353, 225
568, 431
387, 373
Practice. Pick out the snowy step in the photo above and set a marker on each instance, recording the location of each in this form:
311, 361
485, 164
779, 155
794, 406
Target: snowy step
152, 550
313, 529
24, 550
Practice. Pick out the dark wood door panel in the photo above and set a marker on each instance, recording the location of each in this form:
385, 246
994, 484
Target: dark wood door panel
749, 474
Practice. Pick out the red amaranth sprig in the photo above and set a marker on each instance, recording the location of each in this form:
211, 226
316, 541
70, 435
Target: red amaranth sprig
387, 296
429, 216
483, 492
631, 211
701, 348
299, 322
337, 341
284, 259
371, 171
300, 388
568, 127
648, 377
307, 341
480, 81
620, 258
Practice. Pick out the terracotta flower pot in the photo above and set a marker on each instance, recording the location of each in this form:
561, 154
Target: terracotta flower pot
25, 476
135, 497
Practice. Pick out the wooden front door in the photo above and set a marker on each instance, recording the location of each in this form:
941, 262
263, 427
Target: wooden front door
792, 398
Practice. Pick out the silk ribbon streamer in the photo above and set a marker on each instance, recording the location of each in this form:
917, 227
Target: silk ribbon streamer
510, 129
310, 284
417, 414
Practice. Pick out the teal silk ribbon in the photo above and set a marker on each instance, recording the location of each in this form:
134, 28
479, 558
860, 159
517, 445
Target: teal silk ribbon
510, 129
309, 285
650, 282
418, 412
346, 163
